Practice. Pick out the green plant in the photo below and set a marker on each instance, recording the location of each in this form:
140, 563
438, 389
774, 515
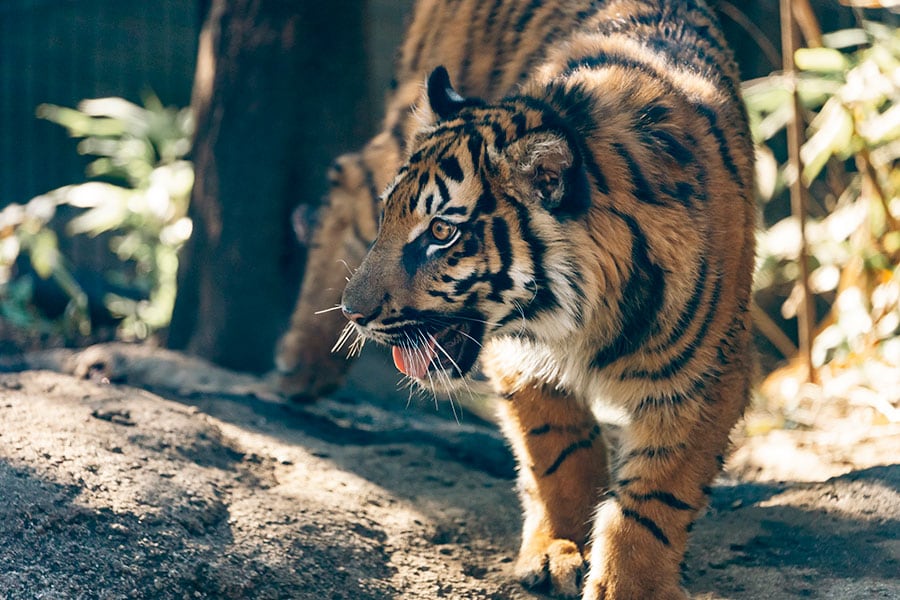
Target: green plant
850, 89
139, 192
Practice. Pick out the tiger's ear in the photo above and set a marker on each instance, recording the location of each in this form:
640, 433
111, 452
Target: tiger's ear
549, 170
445, 102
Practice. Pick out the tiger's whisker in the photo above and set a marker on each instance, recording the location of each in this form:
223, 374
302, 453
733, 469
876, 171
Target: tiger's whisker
328, 310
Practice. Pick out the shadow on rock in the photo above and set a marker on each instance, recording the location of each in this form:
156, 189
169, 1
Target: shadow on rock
835, 539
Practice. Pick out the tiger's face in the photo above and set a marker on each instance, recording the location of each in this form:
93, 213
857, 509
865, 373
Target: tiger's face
468, 226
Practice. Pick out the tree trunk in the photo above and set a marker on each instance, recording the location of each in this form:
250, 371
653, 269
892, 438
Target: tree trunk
280, 89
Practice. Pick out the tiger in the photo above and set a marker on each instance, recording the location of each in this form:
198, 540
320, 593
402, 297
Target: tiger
503, 41
585, 238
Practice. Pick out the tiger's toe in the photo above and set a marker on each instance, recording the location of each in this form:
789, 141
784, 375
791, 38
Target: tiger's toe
558, 566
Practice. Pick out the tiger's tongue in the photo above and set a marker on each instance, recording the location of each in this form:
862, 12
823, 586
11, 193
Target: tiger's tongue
413, 361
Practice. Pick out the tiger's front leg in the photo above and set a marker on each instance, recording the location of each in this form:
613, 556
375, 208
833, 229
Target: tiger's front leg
562, 474
670, 454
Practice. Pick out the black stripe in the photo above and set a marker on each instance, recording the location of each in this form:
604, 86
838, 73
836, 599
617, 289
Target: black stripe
657, 402
526, 66
466, 63
642, 189
524, 19
499, 134
414, 198
689, 52
492, 18
608, 60
474, 144
690, 309
728, 347
713, 118
661, 496
443, 192
369, 178
684, 193
654, 452
676, 364
487, 203
450, 166
544, 298
498, 61
521, 123
682, 44
541, 430
462, 286
501, 64
641, 299
398, 129
648, 524
420, 46
454, 210
412, 256
654, 114
571, 448
671, 145
442, 295
501, 281
470, 247
568, 429
514, 314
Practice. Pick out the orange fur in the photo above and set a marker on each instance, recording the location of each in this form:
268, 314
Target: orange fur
596, 215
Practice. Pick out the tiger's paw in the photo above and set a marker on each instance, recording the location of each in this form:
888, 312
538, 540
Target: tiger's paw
556, 565
613, 588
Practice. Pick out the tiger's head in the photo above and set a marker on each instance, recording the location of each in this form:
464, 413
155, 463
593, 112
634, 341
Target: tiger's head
475, 236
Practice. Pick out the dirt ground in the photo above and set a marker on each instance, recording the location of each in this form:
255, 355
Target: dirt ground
129, 472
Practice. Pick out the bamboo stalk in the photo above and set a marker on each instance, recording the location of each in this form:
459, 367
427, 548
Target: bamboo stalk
805, 317
770, 329
808, 23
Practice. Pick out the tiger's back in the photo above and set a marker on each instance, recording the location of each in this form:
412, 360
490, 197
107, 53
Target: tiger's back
588, 235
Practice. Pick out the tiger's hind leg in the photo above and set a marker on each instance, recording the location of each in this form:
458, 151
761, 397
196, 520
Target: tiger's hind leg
562, 474
670, 455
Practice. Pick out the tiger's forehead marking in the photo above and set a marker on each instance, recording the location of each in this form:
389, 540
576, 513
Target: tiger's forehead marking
433, 183
434, 195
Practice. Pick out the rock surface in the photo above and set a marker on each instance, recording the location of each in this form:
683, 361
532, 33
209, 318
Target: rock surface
129, 472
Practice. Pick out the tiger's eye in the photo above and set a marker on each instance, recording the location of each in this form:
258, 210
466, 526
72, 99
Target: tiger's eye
442, 230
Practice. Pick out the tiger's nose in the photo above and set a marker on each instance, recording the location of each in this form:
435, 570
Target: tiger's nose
355, 316
351, 315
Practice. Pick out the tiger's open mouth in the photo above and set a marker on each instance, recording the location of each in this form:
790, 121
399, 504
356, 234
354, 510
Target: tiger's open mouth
453, 350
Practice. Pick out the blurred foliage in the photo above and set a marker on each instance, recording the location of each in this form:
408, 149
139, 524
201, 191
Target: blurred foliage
139, 192
850, 89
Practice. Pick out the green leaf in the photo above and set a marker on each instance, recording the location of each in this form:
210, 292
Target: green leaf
821, 60
883, 127
43, 249
844, 38
766, 94
815, 91
78, 123
834, 134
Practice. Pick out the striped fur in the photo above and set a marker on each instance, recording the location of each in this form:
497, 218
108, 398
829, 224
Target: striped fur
585, 234
488, 48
